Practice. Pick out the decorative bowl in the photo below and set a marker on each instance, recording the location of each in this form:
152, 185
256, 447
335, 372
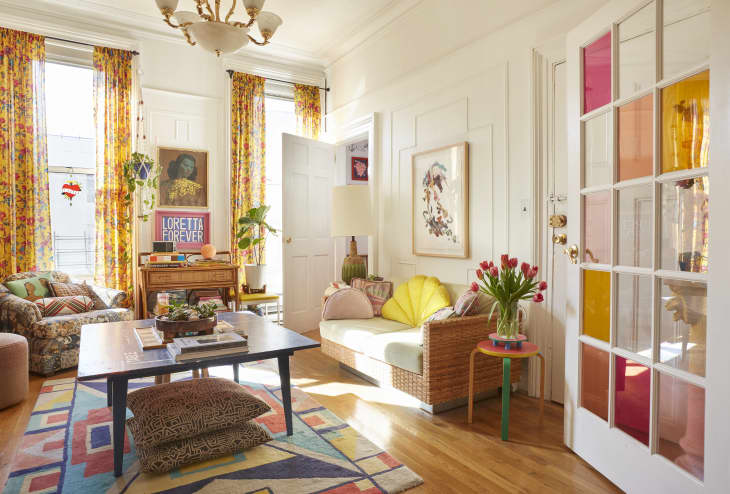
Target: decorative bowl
177, 329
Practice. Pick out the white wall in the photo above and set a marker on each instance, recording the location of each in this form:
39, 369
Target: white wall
480, 92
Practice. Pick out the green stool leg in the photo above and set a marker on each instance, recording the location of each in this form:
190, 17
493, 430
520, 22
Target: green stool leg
506, 365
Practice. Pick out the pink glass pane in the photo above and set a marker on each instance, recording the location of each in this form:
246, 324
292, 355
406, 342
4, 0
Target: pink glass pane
597, 73
681, 424
597, 228
633, 388
636, 138
594, 380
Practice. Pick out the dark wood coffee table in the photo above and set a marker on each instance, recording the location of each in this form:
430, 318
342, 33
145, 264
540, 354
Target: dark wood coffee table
111, 351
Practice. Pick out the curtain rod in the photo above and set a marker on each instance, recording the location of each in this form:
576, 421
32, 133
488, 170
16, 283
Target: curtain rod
231, 71
80, 43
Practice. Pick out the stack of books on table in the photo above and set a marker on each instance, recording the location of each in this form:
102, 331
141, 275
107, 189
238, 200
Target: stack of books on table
166, 260
212, 345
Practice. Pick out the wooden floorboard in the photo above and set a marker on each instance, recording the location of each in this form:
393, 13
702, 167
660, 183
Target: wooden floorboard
450, 455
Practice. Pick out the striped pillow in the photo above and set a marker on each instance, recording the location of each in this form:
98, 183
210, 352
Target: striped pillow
62, 306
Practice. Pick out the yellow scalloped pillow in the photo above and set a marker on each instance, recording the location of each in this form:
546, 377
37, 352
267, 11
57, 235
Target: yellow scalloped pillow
415, 300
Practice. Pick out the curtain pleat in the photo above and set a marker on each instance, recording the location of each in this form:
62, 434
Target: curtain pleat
113, 120
248, 154
25, 220
307, 110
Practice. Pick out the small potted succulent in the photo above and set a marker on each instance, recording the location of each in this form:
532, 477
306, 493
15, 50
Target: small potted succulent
184, 319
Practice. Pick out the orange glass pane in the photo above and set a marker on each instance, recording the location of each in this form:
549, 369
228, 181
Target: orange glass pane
597, 228
596, 304
631, 401
594, 380
686, 123
681, 424
636, 138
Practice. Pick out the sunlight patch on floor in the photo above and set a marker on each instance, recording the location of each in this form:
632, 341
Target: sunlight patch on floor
368, 393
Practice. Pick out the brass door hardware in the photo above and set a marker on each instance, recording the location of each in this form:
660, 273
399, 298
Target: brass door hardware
560, 239
288, 240
593, 258
572, 252
558, 220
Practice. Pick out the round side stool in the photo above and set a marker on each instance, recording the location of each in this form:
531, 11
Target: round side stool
13, 369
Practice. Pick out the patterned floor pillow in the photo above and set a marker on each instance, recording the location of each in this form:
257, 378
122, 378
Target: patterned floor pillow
62, 306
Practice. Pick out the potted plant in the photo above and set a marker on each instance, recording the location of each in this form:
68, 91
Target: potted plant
184, 319
508, 286
140, 171
251, 236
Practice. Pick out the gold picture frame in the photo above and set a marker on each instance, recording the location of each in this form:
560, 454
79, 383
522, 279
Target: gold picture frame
187, 192
440, 202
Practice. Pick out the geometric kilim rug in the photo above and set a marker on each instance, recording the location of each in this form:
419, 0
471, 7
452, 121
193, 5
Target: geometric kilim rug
67, 449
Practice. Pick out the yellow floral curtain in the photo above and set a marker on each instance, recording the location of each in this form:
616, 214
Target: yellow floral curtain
248, 154
25, 220
307, 109
113, 119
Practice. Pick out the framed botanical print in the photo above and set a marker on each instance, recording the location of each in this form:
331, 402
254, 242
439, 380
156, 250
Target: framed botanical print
359, 169
440, 201
183, 178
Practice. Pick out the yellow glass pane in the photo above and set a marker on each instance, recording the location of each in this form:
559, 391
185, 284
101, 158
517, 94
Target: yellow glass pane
597, 304
686, 123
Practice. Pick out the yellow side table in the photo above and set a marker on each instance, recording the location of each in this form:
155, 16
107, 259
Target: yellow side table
261, 298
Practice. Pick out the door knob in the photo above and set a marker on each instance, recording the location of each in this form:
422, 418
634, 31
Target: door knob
572, 252
560, 239
288, 240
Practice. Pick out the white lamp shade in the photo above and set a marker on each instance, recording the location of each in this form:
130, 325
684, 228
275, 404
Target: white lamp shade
268, 23
254, 4
218, 36
351, 212
184, 17
166, 4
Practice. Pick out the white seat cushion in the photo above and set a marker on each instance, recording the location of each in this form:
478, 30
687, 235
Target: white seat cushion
353, 333
399, 348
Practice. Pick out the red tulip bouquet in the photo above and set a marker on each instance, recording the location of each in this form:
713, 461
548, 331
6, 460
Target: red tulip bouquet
508, 285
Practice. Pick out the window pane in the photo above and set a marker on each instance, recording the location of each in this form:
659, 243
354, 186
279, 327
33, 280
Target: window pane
73, 222
686, 123
686, 34
635, 220
597, 227
597, 73
636, 139
596, 304
594, 380
681, 427
683, 325
633, 389
637, 47
597, 158
633, 314
685, 225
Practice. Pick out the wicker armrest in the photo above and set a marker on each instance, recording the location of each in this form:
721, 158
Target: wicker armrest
16, 312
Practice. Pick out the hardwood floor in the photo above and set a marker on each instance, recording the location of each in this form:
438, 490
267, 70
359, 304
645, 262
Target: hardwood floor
449, 454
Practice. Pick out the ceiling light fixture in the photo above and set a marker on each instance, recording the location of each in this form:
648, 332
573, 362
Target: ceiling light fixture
220, 34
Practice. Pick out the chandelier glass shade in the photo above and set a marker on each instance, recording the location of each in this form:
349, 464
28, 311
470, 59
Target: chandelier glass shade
214, 29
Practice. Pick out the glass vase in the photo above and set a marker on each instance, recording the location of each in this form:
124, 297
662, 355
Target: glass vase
508, 324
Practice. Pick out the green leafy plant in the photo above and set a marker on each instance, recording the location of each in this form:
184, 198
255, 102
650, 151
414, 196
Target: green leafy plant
140, 171
185, 312
253, 231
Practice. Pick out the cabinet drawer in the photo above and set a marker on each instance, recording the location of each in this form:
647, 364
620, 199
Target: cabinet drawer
180, 276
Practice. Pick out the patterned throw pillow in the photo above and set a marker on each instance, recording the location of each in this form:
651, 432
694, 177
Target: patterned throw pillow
377, 291
31, 289
68, 289
185, 409
439, 315
62, 306
173, 454
473, 303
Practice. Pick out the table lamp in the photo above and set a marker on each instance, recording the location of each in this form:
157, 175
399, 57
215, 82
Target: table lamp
351, 216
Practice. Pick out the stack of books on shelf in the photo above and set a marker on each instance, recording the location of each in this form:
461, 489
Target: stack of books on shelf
209, 262
212, 345
166, 260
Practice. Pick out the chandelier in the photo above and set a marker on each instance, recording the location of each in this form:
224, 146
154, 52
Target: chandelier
215, 33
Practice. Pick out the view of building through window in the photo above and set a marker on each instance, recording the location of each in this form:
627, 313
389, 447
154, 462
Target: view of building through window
71, 166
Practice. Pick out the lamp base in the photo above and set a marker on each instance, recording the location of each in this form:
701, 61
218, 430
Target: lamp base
354, 267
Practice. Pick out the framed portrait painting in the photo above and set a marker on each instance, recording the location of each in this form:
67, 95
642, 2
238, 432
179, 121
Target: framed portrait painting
359, 169
183, 178
440, 201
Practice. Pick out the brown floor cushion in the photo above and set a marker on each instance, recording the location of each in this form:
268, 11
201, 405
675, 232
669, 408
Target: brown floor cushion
185, 409
170, 455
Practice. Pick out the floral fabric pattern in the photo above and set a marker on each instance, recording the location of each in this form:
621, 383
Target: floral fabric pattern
307, 108
248, 154
25, 219
113, 120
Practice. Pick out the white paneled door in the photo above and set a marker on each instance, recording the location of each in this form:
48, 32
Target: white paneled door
308, 170
646, 349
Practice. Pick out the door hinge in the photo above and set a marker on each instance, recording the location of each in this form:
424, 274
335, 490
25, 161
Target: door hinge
557, 197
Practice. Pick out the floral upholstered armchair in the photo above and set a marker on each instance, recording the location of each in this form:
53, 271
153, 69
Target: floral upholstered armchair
53, 342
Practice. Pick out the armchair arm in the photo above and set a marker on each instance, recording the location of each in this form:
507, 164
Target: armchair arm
16, 312
111, 297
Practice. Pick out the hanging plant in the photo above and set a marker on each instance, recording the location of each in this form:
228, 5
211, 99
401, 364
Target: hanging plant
140, 171
70, 189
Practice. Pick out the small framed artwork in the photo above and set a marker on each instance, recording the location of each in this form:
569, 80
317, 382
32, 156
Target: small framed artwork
190, 230
440, 201
359, 169
183, 178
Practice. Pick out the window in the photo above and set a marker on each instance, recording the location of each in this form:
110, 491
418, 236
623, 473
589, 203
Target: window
71, 166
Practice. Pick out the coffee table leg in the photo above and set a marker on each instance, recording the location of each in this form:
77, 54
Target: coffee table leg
286, 392
235, 373
119, 415
109, 391
506, 365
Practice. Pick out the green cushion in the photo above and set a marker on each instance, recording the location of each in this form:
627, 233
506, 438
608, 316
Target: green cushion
31, 288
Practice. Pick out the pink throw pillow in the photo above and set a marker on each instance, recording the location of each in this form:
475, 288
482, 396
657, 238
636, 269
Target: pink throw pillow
347, 303
377, 291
